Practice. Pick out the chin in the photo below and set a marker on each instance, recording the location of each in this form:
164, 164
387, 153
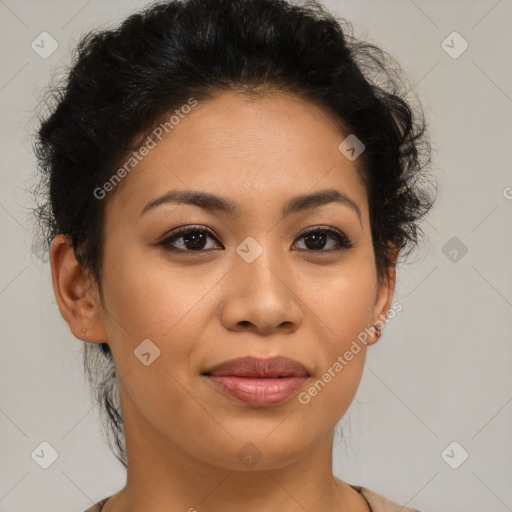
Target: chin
260, 452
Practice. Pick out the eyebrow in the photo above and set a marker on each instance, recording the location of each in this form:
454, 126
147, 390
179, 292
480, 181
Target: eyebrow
212, 202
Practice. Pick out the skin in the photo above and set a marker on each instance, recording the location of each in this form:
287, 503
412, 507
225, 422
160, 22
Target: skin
200, 309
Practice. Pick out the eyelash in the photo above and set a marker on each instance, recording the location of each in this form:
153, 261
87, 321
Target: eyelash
343, 241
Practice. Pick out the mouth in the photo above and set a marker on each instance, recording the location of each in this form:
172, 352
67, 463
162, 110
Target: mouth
258, 382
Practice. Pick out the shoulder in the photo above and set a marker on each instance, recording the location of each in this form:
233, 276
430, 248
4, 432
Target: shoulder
97, 507
380, 504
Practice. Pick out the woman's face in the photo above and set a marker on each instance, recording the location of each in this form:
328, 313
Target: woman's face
202, 299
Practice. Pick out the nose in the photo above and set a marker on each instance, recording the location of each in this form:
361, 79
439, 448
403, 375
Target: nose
261, 297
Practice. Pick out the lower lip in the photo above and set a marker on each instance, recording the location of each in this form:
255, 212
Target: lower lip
258, 392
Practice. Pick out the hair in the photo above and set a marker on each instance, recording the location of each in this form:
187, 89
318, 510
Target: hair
124, 80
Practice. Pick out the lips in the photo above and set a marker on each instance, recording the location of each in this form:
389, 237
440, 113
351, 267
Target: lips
258, 382
272, 367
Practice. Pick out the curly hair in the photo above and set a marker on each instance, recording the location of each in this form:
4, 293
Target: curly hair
125, 79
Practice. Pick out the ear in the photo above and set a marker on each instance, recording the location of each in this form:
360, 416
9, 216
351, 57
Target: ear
385, 290
79, 303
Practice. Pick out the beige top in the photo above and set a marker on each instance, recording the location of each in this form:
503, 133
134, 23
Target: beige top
376, 502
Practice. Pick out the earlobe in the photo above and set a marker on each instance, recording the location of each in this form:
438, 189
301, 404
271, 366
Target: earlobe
78, 302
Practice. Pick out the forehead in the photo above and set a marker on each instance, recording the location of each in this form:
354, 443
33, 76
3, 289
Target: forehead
241, 146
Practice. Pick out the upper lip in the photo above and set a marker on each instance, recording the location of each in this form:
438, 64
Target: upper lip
249, 366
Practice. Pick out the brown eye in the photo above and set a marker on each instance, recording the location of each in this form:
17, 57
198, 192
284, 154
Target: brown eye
193, 240
317, 238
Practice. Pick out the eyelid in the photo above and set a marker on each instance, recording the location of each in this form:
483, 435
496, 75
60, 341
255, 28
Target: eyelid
344, 242
183, 230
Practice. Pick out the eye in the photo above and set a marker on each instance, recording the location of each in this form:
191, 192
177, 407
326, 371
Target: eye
318, 237
194, 239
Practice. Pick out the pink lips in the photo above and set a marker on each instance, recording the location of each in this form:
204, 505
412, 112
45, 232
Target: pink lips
259, 382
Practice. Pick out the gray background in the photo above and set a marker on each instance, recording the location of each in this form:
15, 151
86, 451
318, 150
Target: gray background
441, 371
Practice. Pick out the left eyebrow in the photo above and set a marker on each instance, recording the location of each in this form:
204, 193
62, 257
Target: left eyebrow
212, 202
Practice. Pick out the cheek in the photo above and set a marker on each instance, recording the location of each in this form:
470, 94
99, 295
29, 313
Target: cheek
344, 299
152, 297
330, 393
342, 307
147, 302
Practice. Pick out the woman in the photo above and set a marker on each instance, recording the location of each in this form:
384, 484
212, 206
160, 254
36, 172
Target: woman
230, 185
